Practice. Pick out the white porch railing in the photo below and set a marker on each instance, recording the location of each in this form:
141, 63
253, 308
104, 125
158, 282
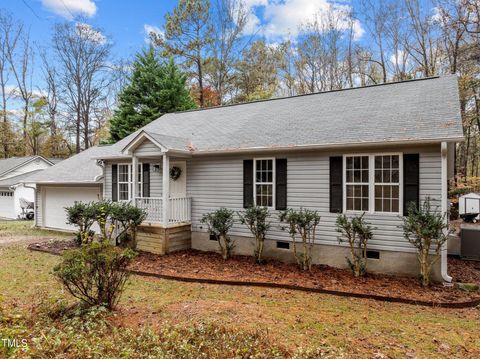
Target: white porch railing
179, 209
153, 206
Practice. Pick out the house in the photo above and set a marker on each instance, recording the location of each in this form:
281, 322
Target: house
14, 171
373, 149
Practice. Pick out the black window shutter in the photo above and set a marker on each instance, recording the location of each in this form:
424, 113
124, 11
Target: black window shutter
336, 184
411, 181
114, 183
281, 183
146, 179
247, 183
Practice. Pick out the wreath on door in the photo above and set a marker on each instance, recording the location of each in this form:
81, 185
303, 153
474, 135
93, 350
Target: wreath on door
175, 173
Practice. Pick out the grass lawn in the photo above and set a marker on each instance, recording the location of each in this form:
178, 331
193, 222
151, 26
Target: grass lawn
23, 231
288, 320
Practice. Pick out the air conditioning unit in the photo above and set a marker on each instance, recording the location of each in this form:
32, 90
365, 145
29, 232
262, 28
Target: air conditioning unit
470, 242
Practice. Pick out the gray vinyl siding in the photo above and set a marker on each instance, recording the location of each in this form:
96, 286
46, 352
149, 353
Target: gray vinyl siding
218, 182
146, 148
155, 179
214, 182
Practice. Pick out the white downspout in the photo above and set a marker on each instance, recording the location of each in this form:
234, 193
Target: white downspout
444, 208
35, 224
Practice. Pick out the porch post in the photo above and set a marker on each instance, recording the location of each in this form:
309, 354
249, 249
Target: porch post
166, 188
134, 178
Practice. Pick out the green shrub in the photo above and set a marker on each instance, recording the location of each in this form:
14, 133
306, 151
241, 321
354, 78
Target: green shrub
117, 221
357, 233
95, 273
255, 218
82, 215
103, 210
427, 231
219, 223
127, 217
303, 223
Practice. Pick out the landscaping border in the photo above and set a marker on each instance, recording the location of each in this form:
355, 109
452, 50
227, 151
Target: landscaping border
381, 298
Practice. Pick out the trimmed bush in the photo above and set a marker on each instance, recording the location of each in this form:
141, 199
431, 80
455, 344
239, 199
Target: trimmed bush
118, 221
127, 217
356, 232
427, 230
255, 218
304, 224
219, 223
95, 273
82, 215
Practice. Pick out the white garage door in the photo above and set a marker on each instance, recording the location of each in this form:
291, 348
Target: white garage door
6, 204
57, 198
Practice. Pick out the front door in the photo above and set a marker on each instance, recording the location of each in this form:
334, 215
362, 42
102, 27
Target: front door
178, 179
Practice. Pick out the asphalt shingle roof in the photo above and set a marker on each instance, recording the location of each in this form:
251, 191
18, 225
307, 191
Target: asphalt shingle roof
78, 169
8, 164
23, 178
417, 110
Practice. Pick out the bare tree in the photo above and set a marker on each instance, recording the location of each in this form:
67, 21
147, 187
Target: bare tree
9, 34
21, 59
450, 15
82, 52
423, 45
228, 18
471, 18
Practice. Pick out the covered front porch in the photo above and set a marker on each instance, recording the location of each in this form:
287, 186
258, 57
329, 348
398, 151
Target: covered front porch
159, 186
159, 180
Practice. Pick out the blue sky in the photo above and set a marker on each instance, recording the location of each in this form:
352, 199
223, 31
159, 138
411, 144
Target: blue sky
125, 21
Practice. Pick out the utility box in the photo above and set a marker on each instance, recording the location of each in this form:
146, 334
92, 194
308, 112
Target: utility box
470, 242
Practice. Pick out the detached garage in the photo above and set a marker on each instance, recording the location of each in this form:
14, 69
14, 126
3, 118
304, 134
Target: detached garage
78, 178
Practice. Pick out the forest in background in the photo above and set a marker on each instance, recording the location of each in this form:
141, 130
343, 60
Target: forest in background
57, 98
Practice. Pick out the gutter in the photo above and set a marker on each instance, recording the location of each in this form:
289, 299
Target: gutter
284, 148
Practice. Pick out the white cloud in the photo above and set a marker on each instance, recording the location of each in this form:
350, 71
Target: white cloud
149, 29
282, 19
71, 8
88, 32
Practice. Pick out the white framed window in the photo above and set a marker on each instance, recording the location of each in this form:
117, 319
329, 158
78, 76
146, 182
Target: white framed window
125, 181
357, 183
387, 183
264, 182
373, 183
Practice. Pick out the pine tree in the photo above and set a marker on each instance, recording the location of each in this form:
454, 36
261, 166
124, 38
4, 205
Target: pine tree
155, 88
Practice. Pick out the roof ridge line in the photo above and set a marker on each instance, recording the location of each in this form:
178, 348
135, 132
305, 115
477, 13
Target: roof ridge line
308, 94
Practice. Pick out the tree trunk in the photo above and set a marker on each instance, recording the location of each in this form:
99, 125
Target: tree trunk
200, 81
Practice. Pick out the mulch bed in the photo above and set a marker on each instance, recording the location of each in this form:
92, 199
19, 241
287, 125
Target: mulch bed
53, 246
206, 267
210, 266
464, 271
